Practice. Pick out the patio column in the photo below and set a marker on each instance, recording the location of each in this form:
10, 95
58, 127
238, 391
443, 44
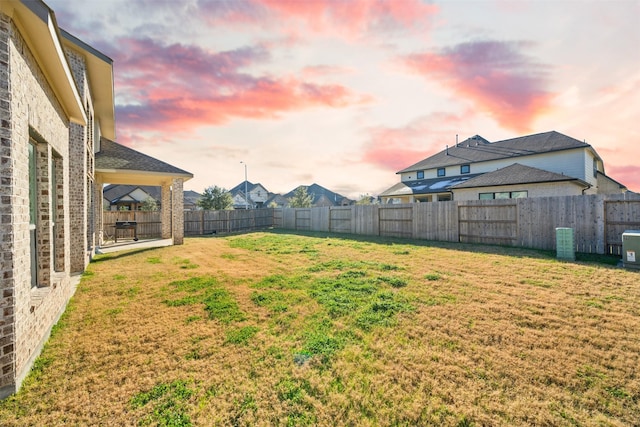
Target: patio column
178, 211
165, 210
97, 211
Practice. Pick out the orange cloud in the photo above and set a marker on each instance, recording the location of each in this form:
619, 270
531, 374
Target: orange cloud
494, 76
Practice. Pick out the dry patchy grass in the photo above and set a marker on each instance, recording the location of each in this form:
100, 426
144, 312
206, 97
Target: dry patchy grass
279, 329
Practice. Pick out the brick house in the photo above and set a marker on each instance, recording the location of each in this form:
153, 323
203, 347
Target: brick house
57, 126
132, 197
544, 164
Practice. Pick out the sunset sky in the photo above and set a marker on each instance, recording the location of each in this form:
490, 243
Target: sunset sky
346, 93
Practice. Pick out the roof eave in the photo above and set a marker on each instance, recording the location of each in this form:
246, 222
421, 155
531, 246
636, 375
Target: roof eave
101, 83
40, 31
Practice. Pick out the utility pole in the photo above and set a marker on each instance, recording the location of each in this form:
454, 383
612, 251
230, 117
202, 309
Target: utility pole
246, 195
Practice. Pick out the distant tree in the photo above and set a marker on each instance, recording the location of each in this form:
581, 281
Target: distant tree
301, 199
365, 199
149, 204
215, 198
123, 208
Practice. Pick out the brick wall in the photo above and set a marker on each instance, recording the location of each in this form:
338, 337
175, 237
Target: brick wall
28, 107
80, 170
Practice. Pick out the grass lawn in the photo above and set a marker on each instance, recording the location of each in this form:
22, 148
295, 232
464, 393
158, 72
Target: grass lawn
277, 329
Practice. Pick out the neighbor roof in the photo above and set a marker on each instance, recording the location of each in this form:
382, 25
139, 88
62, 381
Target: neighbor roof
516, 174
426, 186
114, 192
250, 187
114, 157
317, 191
478, 149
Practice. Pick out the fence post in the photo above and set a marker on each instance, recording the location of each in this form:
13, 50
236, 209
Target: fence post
601, 229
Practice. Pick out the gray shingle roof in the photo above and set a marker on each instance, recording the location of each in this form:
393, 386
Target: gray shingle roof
516, 174
317, 192
478, 149
118, 157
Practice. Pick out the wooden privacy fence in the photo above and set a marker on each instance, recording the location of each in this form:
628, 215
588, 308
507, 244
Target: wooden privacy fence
598, 221
211, 222
149, 224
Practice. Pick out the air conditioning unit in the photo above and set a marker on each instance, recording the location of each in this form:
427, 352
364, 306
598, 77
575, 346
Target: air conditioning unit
565, 247
631, 248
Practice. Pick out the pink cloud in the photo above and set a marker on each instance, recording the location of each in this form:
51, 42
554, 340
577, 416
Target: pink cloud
345, 17
178, 87
398, 147
495, 76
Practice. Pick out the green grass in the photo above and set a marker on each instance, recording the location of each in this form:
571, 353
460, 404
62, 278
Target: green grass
164, 405
318, 329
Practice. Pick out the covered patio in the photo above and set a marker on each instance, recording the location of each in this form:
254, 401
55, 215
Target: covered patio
118, 164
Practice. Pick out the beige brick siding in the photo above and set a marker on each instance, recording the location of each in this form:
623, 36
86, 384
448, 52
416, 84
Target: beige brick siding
81, 171
177, 219
28, 102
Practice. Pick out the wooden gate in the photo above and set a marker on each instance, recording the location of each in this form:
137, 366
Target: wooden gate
482, 223
396, 221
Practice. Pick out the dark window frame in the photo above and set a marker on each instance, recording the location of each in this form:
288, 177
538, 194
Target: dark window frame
511, 193
420, 175
465, 169
442, 172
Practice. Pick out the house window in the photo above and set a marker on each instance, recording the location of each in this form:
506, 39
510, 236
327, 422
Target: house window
504, 195
595, 168
33, 209
420, 175
442, 172
519, 194
465, 169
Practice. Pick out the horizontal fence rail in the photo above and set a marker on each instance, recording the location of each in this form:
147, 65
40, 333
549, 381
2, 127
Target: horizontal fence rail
598, 221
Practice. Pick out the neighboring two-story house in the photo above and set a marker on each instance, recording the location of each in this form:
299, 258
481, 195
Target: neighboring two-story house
544, 164
57, 126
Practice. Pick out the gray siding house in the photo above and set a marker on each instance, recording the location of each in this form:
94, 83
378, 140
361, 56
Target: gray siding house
544, 164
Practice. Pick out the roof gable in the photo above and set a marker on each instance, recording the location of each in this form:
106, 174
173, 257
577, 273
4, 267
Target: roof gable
478, 149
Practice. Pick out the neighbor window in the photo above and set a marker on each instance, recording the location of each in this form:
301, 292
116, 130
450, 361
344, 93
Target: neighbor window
504, 195
420, 175
465, 169
595, 168
441, 172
